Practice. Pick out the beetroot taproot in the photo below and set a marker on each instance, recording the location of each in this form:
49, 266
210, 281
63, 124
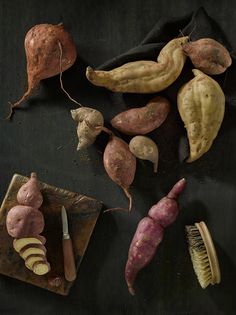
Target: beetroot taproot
149, 233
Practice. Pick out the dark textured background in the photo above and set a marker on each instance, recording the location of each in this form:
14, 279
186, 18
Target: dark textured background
42, 138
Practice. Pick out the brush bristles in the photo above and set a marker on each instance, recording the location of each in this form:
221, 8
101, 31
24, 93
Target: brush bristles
199, 256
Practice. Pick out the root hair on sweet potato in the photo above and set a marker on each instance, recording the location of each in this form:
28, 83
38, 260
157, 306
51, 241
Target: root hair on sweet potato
61, 82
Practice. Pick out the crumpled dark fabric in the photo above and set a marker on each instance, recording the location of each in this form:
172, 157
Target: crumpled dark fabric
196, 25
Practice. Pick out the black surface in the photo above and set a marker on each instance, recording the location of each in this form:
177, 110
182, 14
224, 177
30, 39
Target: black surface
42, 138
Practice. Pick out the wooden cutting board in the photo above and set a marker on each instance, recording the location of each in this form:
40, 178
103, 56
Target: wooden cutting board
82, 213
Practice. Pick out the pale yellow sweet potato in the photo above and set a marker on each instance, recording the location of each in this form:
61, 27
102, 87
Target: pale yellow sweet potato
201, 104
145, 149
144, 76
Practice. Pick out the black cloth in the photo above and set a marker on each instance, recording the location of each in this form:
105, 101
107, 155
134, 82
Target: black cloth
196, 25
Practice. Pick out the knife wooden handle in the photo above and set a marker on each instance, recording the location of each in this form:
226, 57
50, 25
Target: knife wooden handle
69, 260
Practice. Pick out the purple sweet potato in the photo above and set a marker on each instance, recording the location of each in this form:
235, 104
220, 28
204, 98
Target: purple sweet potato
166, 210
24, 221
140, 121
29, 194
149, 233
148, 236
120, 164
208, 55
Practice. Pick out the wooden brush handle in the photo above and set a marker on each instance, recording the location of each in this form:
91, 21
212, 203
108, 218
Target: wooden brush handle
69, 260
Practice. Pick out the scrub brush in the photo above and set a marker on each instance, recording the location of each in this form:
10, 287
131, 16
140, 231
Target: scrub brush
203, 254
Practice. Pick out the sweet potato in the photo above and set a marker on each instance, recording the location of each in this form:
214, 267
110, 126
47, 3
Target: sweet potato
88, 120
140, 121
201, 104
144, 76
208, 55
20, 243
24, 221
149, 233
33, 249
166, 210
145, 149
34, 253
29, 194
40, 268
49, 50
31, 259
120, 164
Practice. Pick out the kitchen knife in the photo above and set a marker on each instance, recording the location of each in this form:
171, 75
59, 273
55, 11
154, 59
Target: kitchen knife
68, 255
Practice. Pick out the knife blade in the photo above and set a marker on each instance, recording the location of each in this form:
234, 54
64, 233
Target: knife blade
68, 254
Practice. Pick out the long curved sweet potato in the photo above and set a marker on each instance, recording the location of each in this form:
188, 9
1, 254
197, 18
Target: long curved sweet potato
144, 76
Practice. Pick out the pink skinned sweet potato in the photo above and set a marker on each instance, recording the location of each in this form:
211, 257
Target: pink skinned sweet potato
208, 55
140, 121
149, 233
120, 164
29, 194
24, 221
147, 237
166, 210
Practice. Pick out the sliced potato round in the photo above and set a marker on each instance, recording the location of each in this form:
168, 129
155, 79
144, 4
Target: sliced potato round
32, 249
41, 267
31, 259
20, 243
